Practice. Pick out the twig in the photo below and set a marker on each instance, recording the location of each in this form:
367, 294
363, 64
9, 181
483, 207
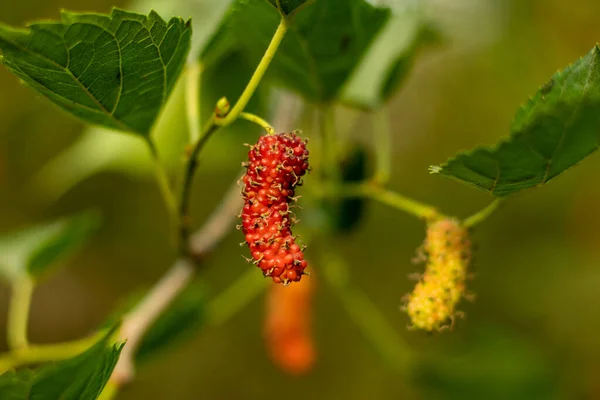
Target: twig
218, 224
190, 171
391, 198
137, 322
18, 312
40, 353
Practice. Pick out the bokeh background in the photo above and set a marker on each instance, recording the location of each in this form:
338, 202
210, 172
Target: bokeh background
533, 331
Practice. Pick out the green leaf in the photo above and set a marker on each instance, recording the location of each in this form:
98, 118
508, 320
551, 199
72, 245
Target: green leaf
287, 7
390, 58
182, 318
79, 378
116, 71
556, 129
32, 251
320, 51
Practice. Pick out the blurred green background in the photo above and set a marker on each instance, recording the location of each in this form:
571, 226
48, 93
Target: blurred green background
533, 331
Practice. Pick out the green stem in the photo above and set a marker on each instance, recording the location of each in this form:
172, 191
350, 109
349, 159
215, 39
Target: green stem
255, 119
392, 199
482, 215
190, 171
192, 100
374, 326
259, 72
41, 353
18, 313
383, 145
163, 182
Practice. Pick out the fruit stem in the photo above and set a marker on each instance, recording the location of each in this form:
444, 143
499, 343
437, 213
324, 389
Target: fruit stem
391, 198
383, 145
482, 215
163, 185
258, 121
257, 76
18, 313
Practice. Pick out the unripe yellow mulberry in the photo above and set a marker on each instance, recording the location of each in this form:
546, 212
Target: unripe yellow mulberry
448, 250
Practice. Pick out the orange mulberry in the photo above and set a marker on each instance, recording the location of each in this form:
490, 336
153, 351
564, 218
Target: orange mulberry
288, 327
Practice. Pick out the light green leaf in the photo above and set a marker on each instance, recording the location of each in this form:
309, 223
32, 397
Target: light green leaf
80, 378
116, 71
288, 7
556, 129
390, 58
34, 250
323, 46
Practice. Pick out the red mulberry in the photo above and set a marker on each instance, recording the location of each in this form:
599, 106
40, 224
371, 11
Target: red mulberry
275, 166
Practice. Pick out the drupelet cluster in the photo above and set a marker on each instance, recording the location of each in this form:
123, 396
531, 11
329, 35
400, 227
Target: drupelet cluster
276, 164
448, 251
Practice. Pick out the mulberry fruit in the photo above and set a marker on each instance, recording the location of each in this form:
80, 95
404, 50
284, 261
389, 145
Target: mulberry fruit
276, 164
447, 249
288, 327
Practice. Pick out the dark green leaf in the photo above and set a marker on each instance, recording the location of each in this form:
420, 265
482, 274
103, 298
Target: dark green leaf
80, 378
34, 250
288, 6
556, 129
320, 51
116, 71
390, 58
184, 316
